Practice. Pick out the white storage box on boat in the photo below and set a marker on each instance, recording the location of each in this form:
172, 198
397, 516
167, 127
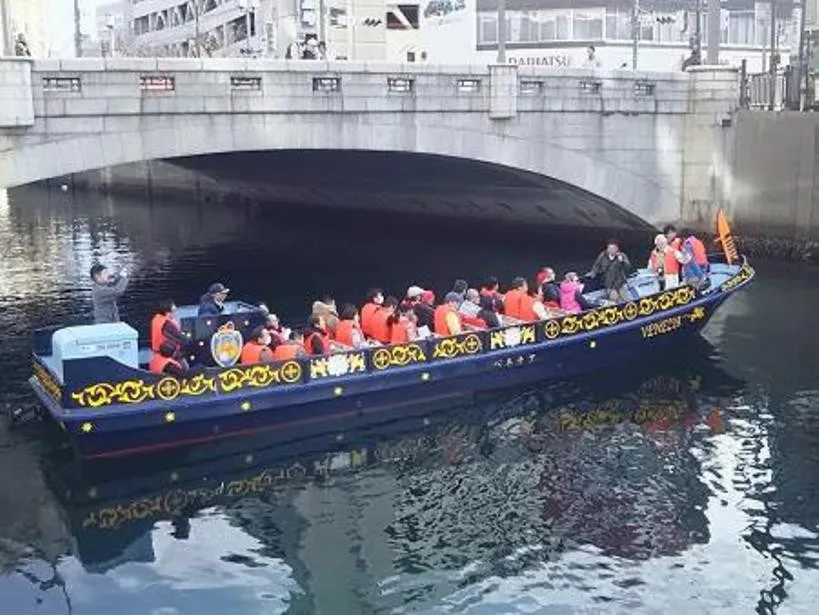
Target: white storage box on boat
117, 340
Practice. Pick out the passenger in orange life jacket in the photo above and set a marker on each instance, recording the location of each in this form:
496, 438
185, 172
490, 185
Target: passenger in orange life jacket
665, 262
532, 308
316, 338
513, 299
491, 298
163, 361
671, 236
403, 325
447, 319
380, 325
257, 348
165, 328
695, 269
348, 330
290, 349
375, 299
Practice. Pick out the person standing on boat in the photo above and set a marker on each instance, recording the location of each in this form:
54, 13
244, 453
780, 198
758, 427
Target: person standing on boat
447, 319
613, 266
212, 303
257, 348
694, 271
665, 262
105, 291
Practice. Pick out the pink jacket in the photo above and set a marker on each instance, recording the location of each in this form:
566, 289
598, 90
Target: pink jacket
567, 296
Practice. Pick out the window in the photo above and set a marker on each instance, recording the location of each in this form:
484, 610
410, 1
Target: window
741, 28
488, 28
326, 84
62, 84
338, 18
468, 85
399, 84
246, 83
587, 26
156, 83
618, 24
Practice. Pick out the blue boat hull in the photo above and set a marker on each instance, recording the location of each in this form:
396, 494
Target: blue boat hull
370, 398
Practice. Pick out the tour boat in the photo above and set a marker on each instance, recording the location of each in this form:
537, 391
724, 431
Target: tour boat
93, 379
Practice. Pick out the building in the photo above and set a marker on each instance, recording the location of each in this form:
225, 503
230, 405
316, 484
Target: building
32, 19
558, 32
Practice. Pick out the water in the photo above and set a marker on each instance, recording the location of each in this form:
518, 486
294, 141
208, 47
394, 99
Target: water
683, 486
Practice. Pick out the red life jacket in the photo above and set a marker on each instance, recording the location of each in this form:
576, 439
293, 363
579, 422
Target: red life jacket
512, 303
698, 249
441, 326
287, 351
527, 308
158, 363
323, 337
380, 327
253, 353
157, 336
367, 313
346, 332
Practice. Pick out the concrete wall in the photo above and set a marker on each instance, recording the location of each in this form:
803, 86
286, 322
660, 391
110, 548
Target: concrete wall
16, 100
618, 135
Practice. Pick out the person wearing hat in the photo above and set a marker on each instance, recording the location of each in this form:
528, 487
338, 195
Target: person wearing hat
105, 291
447, 319
212, 303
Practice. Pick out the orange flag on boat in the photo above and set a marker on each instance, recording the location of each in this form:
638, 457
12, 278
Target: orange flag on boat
726, 239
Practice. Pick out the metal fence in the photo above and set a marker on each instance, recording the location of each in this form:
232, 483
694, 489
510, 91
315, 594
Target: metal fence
782, 90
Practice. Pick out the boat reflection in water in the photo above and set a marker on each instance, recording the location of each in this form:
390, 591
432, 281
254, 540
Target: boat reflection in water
486, 482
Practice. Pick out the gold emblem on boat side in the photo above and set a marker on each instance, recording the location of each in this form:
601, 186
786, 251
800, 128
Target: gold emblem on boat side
604, 317
397, 356
47, 381
511, 337
336, 365
744, 274
170, 388
451, 347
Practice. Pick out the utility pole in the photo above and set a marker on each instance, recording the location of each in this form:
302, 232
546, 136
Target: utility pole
77, 30
501, 32
197, 4
773, 61
714, 31
803, 69
635, 33
5, 29
698, 30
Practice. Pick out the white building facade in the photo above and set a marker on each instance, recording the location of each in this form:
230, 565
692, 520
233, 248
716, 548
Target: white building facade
32, 19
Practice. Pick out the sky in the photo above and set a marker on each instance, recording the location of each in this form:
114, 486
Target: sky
63, 12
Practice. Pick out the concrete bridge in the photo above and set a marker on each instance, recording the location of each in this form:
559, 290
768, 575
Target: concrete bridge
646, 142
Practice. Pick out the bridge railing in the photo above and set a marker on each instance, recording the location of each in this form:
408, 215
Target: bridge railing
92, 87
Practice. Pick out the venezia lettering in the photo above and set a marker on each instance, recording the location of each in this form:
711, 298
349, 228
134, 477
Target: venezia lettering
662, 327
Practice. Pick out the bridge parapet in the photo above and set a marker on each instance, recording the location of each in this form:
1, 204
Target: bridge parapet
135, 86
16, 103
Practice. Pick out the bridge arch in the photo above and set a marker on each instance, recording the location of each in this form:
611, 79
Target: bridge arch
519, 144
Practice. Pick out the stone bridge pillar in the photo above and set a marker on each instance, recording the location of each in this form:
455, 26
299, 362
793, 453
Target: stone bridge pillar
16, 94
503, 91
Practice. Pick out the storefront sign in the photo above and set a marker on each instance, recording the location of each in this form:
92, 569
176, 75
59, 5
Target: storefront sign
555, 61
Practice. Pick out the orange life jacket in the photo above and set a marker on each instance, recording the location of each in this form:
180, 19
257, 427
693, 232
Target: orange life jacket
400, 332
698, 248
345, 330
253, 353
286, 351
157, 337
670, 263
527, 308
367, 313
380, 327
308, 342
512, 303
158, 363
441, 326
